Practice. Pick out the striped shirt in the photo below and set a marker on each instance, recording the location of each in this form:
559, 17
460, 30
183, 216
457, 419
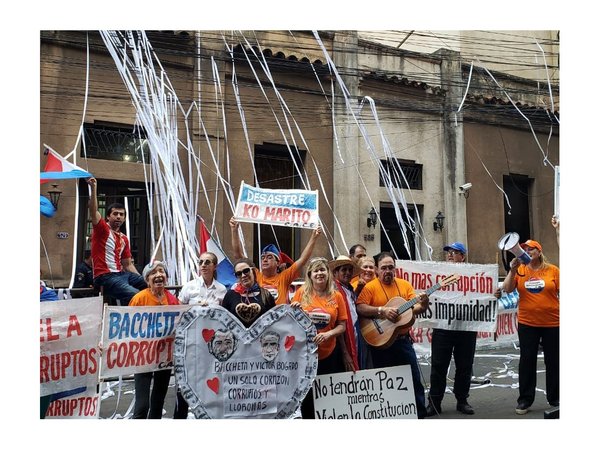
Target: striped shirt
108, 249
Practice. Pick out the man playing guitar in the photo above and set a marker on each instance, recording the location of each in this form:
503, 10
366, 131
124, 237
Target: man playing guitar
371, 304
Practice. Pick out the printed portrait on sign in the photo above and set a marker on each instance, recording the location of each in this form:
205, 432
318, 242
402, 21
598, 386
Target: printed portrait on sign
222, 345
269, 342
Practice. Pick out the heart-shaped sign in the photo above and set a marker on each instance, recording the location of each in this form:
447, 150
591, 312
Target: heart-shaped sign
247, 312
264, 371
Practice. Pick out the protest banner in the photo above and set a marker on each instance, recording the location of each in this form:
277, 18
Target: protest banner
467, 305
385, 393
228, 371
69, 337
504, 335
85, 405
285, 207
138, 339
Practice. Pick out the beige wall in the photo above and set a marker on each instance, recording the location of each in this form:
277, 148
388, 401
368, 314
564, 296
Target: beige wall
486, 202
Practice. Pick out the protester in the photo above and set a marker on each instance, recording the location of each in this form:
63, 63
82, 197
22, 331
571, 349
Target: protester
46, 295
556, 224
111, 255
150, 406
367, 266
247, 300
445, 344
277, 283
538, 322
356, 252
371, 303
202, 291
84, 276
343, 270
327, 310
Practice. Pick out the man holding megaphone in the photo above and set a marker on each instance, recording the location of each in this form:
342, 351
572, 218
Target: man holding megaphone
538, 321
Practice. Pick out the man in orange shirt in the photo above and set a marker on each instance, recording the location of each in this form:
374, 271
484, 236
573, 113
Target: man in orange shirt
371, 303
277, 283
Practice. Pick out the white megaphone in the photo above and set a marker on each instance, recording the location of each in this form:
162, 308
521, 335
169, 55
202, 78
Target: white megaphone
510, 242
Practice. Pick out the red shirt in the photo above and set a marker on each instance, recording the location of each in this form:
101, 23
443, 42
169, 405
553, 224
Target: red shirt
108, 249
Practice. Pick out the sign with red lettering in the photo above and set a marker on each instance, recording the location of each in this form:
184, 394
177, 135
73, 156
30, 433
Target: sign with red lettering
468, 305
85, 405
69, 337
138, 339
225, 370
285, 207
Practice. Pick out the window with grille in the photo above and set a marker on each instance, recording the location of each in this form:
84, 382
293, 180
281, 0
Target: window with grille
115, 143
392, 170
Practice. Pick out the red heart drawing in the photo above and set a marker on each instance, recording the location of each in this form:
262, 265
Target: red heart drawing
207, 334
289, 342
213, 384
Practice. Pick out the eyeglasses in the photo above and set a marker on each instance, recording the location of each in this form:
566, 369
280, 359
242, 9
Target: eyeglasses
267, 256
245, 271
454, 252
205, 262
387, 268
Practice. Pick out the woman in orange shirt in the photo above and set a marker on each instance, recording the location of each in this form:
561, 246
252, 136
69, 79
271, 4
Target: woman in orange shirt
538, 322
325, 307
150, 406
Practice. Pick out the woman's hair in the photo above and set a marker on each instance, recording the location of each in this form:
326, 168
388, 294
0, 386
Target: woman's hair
362, 260
313, 265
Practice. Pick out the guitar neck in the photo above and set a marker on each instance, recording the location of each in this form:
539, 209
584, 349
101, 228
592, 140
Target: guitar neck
409, 304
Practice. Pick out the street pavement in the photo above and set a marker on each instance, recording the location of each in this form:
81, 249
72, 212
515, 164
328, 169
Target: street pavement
494, 390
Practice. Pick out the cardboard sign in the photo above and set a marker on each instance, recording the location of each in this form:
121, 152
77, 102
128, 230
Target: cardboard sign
138, 339
285, 207
467, 305
85, 405
69, 337
228, 371
385, 393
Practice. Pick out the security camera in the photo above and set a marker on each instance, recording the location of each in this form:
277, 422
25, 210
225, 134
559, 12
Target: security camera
465, 188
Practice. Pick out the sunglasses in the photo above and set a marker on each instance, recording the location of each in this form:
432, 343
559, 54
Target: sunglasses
245, 271
205, 262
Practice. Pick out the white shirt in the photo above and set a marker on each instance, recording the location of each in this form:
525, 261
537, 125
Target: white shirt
195, 291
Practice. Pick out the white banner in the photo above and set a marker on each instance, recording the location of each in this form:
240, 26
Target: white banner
85, 405
137, 339
69, 338
385, 393
467, 305
225, 370
285, 207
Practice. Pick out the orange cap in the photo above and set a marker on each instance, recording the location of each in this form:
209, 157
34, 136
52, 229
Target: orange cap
532, 243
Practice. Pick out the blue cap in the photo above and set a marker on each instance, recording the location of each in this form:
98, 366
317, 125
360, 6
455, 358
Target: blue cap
458, 246
271, 248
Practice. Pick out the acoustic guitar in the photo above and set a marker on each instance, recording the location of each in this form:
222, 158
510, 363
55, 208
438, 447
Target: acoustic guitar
382, 333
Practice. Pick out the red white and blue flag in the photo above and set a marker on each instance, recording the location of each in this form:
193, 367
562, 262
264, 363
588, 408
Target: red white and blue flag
58, 168
225, 273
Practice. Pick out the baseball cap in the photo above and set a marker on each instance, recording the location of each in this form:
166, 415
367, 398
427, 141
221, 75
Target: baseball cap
458, 246
532, 243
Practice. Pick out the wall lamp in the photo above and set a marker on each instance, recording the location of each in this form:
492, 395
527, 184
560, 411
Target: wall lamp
439, 222
372, 218
54, 195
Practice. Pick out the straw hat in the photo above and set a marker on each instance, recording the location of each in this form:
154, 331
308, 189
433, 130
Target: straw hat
343, 260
